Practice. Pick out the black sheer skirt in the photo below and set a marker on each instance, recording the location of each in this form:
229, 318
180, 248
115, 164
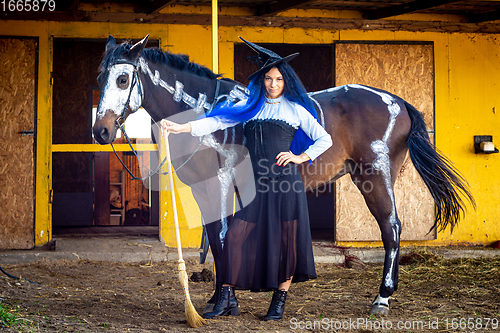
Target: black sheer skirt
269, 240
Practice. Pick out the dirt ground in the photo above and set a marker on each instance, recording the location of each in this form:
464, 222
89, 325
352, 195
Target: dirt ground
435, 295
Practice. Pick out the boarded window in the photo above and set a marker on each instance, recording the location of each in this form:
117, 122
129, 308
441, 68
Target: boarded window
406, 70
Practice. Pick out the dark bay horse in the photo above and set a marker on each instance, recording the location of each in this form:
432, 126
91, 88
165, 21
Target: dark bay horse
372, 130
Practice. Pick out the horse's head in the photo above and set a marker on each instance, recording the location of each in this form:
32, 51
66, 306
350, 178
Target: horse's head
121, 89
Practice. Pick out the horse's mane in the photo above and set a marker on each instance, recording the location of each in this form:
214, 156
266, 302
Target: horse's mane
156, 55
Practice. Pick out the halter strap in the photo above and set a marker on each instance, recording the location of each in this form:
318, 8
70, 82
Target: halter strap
135, 80
125, 61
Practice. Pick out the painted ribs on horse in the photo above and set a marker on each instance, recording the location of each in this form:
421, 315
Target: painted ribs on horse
372, 130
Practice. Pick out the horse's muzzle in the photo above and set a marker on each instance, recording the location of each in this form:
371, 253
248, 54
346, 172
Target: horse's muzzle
103, 136
104, 129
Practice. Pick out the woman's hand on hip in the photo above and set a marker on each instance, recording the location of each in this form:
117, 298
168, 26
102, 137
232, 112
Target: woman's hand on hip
175, 128
286, 157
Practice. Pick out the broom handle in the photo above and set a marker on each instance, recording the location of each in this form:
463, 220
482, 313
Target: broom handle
172, 193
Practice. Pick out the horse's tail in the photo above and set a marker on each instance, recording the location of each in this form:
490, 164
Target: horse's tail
444, 182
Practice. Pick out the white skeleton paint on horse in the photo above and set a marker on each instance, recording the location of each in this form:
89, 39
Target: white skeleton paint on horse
372, 131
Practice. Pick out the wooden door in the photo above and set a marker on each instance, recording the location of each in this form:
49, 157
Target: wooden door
407, 70
17, 127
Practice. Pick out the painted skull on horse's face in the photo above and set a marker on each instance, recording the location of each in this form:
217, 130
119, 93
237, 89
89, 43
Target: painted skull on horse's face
121, 92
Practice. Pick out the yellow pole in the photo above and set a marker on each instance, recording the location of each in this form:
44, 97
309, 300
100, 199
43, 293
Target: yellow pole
215, 38
215, 48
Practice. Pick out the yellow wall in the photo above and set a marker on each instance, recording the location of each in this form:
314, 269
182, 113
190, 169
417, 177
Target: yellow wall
468, 107
467, 104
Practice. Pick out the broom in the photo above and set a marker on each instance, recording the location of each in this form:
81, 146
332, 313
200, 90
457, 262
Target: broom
193, 318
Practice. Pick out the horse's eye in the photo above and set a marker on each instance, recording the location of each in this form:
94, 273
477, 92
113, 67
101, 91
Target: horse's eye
122, 81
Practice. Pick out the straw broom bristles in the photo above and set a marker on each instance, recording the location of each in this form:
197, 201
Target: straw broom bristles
192, 317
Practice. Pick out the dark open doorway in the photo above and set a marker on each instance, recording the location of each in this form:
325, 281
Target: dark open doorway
90, 189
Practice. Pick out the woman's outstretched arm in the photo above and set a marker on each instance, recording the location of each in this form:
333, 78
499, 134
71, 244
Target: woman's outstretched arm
175, 128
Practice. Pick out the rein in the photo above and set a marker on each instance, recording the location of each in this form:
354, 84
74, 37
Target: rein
135, 80
121, 120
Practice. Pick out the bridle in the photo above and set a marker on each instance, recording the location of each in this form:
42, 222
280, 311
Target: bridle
119, 122
135, 80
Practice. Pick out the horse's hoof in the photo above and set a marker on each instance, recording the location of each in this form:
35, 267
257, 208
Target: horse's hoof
380, 309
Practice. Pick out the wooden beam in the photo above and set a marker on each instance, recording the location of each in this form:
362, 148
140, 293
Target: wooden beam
64, 4
158, 5
279, 6
404, 8
484, 17
74, 5
260, 21
92, 147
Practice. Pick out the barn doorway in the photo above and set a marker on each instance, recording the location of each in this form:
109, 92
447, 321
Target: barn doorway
92, 194
314, 66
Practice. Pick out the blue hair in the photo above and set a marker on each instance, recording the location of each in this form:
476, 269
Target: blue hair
294, 91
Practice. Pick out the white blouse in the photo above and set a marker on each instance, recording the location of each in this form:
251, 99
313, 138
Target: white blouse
280, 109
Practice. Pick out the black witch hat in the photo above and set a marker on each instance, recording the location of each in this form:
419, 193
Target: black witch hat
267, 59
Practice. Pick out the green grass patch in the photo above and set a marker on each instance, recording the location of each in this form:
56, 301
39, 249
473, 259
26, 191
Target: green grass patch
8, 316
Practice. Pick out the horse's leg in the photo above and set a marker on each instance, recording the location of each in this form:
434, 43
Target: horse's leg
379, 196
209, 205
213, 232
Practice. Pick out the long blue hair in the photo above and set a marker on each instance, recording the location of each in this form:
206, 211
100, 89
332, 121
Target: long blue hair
294, 91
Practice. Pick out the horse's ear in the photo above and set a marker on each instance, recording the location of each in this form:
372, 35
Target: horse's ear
110, 43
135, 51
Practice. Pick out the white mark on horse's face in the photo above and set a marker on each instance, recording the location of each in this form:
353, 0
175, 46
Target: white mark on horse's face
117, 89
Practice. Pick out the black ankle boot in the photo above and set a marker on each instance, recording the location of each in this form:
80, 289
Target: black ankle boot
209, 307
277, 306
226, 305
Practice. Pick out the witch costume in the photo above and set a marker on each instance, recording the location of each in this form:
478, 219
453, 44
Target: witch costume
268, 241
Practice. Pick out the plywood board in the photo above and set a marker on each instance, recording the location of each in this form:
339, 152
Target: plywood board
406, 70
17, 114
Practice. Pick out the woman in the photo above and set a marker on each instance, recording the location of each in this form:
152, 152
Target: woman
268, 243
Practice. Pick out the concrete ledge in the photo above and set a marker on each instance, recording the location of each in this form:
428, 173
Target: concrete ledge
144, 249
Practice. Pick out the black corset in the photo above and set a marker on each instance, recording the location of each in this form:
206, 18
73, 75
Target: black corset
265, 140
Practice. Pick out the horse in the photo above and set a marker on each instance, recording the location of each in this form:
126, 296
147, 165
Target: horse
372, 131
